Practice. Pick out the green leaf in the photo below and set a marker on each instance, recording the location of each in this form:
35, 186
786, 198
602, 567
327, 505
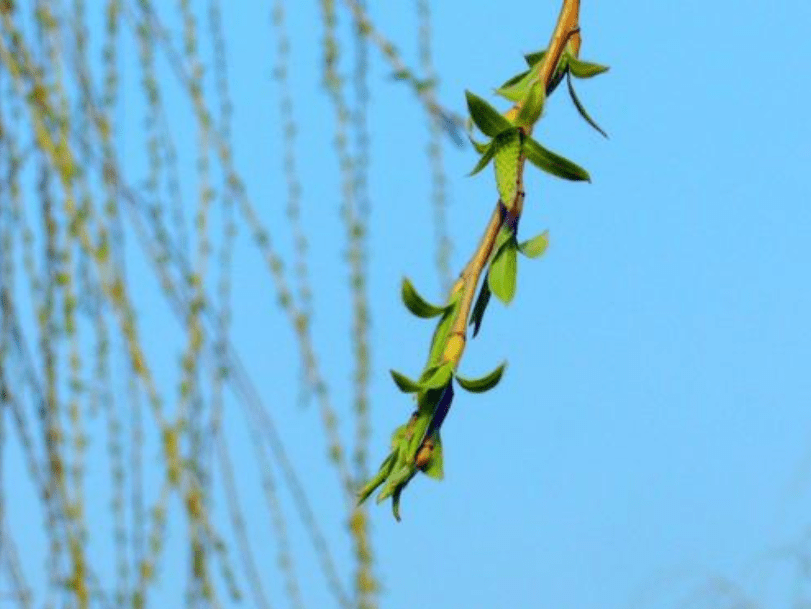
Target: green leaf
436, 376
532, 248
553, 163
480, 307
584, 69
397, 479
502, 276
417, 304
420, 425
489, 151
515, 79
508, 152
399, 444
405, 384
515, 88
484, 383
382, 474
435, 468
487, 118
533, 58
531, 105
580, 107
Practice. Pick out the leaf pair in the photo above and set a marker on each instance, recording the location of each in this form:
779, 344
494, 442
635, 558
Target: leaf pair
507, 145
434, 377
569, 63
518, 87
438, 377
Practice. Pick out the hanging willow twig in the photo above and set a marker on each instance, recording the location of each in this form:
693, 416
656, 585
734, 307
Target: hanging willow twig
417, 444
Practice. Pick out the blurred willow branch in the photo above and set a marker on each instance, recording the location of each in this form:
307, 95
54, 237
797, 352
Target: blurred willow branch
73, 216
424, 88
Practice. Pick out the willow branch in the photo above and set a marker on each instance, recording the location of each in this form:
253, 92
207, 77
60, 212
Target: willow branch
566, 31
417, 445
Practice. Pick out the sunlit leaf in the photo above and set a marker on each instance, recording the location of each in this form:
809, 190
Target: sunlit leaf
533, 248
515, 79
382, 474
484, 383
502, 276
397, 479
487, 155
486, 117
531, 105
417, 304
584, 69
405, 384
515, 88
553, 163
533, 58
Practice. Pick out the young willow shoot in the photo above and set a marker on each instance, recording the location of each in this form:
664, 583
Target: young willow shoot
416, 446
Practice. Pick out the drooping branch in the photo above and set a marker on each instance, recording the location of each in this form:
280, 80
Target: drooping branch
416, 445
566, 29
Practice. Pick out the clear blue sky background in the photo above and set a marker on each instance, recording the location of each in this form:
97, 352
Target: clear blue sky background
653, 427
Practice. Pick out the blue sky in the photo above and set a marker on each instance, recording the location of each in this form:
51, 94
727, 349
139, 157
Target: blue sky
652, 431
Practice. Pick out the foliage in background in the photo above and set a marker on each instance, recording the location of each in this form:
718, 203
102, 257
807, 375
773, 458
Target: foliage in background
72, 344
